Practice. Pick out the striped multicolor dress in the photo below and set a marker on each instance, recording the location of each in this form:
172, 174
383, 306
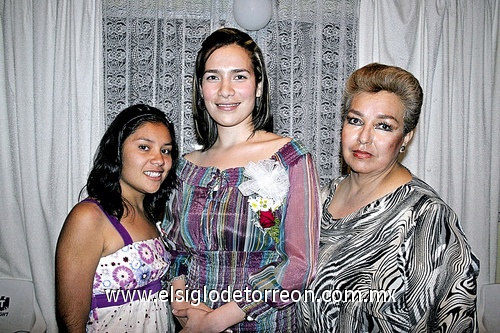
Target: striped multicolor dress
220, 248
399, 264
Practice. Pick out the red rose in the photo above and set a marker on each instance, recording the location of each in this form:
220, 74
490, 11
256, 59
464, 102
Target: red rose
266, 219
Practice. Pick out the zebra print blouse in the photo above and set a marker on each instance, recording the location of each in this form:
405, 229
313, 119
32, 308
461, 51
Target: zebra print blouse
400, 264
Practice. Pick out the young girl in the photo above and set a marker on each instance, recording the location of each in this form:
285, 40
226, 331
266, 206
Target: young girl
245, 214
109, 249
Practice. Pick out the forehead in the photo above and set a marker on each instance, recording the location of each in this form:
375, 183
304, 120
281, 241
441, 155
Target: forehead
152, 131
379, 103
229, 56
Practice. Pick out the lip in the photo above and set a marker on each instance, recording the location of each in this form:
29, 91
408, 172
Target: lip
227, 106
154, 174
361, 154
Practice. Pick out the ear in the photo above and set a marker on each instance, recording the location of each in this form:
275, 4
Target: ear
258, 92
407, 138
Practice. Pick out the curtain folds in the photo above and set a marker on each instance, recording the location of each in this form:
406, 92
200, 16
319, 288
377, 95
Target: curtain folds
452, 47
69, 66
52, 119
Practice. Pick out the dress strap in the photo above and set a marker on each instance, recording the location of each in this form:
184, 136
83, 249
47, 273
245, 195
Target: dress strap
114, 221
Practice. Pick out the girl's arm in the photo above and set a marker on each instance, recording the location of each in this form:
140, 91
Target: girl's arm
78, 251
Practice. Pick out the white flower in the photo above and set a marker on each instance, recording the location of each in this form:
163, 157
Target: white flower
255, 204
268, 180
266, 189
258, 204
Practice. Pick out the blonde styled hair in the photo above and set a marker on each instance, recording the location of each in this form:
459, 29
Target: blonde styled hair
376, 77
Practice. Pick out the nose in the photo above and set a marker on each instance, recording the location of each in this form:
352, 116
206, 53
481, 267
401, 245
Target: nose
365, 135
226, 88
158, 159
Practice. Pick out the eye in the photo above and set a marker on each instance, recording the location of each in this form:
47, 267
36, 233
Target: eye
165, 151
144, 147
354, 121
210, 77
239, 77
385, 127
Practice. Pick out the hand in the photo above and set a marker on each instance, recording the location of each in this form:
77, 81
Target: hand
203, 319
179, 302
179, 310
178, 306
196, 319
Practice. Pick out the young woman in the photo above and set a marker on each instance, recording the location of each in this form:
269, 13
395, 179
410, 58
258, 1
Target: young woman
110, 250
245, 214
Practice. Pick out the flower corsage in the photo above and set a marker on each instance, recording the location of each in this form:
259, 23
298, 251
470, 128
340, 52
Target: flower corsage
267, 187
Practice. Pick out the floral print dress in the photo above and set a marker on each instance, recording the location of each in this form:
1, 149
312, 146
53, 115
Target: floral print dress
126, 286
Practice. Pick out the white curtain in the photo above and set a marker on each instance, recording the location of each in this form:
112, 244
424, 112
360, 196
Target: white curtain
51, 118
309, 47
452, 47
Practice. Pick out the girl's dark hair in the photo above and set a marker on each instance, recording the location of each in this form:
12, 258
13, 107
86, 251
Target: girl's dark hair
103, 183
206, 128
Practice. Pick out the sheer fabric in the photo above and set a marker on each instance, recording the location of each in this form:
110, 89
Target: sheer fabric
309, 49
452, 48
51, 121
51, 93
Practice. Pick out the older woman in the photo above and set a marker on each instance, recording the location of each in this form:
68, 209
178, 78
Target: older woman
393, 257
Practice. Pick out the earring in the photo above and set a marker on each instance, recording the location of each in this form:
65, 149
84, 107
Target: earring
402, 149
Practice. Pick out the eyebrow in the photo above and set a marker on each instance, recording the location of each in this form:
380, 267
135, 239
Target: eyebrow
149, 140
381, 116
235, 70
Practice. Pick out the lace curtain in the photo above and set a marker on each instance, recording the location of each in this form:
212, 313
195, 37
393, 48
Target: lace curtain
309, 47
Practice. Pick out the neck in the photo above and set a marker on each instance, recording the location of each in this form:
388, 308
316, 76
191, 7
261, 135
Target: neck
134, 203
384, 182
229, 137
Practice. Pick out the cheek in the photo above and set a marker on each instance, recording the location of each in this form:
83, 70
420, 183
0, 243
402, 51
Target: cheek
168, 165
391, 147
206, 92
125, 162
251, 94
247, 91
396, 142
346, 137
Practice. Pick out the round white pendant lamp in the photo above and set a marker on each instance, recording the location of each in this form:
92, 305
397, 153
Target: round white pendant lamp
252, 14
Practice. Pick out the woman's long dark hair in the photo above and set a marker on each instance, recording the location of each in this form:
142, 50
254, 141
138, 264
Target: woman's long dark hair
103, 183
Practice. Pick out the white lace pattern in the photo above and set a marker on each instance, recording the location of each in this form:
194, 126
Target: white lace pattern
309, 48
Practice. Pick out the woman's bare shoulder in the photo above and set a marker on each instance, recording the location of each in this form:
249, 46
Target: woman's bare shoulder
86, 210
86, 219
194, 157
273, 142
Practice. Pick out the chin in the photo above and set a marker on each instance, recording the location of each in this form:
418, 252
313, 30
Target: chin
152, 190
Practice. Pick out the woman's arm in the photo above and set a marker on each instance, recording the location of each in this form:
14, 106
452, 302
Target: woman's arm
78, 251
218, 320
442, 278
